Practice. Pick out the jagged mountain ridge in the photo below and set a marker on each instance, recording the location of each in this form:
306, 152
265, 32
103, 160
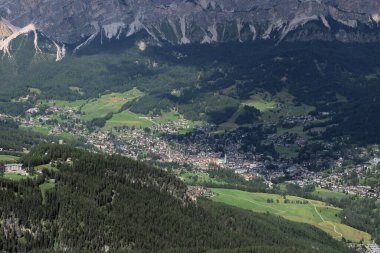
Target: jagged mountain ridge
78, 22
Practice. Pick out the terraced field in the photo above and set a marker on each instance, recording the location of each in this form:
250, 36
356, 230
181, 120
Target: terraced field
312, 212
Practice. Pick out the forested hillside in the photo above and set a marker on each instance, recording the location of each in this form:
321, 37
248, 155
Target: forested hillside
99, 203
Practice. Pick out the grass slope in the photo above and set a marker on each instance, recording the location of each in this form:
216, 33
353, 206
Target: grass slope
8, 158
325, 194
99, 108
16, 177
315, 213
128, 118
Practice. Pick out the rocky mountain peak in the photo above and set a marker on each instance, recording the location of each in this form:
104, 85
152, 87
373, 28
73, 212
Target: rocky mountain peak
195, 21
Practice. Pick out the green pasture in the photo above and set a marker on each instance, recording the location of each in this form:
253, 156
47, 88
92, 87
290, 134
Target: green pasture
8, 158
128, 118
325, 194
315, 213
110, 103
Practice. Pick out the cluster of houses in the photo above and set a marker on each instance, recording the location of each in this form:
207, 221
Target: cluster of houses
199, 191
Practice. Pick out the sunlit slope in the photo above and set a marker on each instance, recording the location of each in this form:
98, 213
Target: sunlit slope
297, 209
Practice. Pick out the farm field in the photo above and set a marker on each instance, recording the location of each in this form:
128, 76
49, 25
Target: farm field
324, 194
260, 103
312, 212
128, 118
273, 107
8, 158
62, 103
16, 177
110, 103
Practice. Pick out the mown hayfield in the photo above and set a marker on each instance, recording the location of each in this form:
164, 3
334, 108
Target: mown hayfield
325, 194
128, 118
260, 103
312, 212
110, 103
62, 103
8, 158
16, 177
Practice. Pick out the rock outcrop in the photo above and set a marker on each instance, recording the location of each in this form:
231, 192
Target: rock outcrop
194, 21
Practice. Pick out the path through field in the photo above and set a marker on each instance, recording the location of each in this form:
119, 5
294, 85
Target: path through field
340, 235
296, 209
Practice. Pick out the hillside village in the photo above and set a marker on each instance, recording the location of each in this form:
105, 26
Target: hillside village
197, 153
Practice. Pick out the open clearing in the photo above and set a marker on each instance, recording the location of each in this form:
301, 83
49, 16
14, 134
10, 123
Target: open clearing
110, 103
16, 177
325, 194
261, 103
128, 118
8, 158
62, 103
315, 213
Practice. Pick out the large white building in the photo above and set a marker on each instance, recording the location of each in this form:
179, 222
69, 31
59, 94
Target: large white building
373, 248
15, 168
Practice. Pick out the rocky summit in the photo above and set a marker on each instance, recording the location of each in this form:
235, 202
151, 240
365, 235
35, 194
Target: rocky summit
192, 21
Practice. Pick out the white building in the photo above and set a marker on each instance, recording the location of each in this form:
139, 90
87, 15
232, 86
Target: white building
373, 248
15, 168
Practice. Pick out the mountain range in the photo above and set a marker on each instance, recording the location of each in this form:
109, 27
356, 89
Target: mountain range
78, 22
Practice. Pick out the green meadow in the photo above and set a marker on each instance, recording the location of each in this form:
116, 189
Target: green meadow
8, 158
128, 118
315, 213
325, 194
109, 103
62, 103
261, 103
16, 177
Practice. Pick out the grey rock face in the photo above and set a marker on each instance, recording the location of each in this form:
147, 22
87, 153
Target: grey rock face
197, 21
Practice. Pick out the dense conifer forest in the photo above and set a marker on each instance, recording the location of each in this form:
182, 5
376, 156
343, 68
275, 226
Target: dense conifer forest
100, 203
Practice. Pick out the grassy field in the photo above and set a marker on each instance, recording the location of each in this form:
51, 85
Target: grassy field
99, 108
273, 107
315, 213
262, 102
168, 117
62, 103
8, 158
325, 194
45, 166
16, 177
128, 118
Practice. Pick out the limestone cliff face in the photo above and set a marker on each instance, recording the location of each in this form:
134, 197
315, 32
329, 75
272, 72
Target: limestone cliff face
5, 31
195, 21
